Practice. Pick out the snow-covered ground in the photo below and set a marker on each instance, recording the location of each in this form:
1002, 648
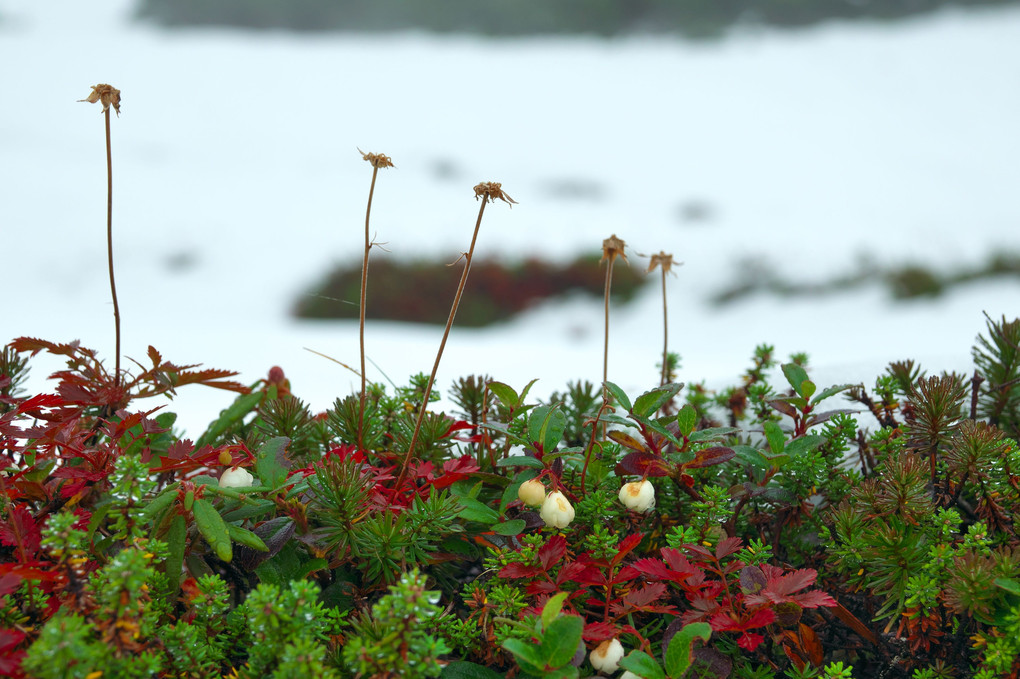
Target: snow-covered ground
238, 183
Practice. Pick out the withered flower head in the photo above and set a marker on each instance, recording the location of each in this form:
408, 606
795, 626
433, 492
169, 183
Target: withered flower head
612, 248
664, 260
491, 191
107, 95
377, 159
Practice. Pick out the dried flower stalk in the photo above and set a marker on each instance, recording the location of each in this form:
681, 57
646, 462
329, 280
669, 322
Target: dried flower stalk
108, 96
377, 160
489, 192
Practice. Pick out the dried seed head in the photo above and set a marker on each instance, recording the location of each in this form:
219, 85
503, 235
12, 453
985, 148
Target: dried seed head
107, 95
664, 260
612, 248
491, 191
377, 159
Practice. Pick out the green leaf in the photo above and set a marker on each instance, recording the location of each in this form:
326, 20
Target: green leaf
546, 425
241, 406
505, 393
713, 433
511, 527
243, 536
473, 510
568, 672
642, 664
751, 456
176, 541
552, 609
1009, 584
796, 376
660, 430
805, 444
687, 419
246, 511
462, 669
561, 639
267, 462
808, 388
526, 654
775, 436
620, 396
831, 391
213, 529
653, 399
679, 653
159, 503
527, 388
609, 418
520, 461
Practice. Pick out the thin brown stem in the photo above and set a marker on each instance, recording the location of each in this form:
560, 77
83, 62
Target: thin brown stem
361, 324
109, 243
605, 349
665, 333
442, 346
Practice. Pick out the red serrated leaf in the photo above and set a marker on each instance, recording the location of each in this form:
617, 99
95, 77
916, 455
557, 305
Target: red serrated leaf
552, 551
600, 631
38, 402
519, 570
154, 356
707, 457
580, 573
626, 546
639, 598
641, 464
626, 574
35, 345
750, 641
20, 530
726, 547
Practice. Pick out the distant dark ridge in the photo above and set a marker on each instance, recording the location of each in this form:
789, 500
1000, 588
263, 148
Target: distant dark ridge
691, 18
422, 291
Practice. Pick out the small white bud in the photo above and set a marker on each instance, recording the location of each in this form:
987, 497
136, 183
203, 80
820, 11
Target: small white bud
606, 656
638, 495
556, 510
532, 493
236, 478
627, 674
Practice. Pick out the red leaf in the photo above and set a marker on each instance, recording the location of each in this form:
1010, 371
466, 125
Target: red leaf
641, 464
600, 631
519, 570
656, 569
812, 645
20, 530
750, 641
639, 598
552, 551
9, 583
10, 638
581, 573
726, 547
39, 402
707, 457
626, 546
628, 441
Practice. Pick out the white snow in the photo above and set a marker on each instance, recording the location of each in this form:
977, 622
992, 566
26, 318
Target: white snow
238, 151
